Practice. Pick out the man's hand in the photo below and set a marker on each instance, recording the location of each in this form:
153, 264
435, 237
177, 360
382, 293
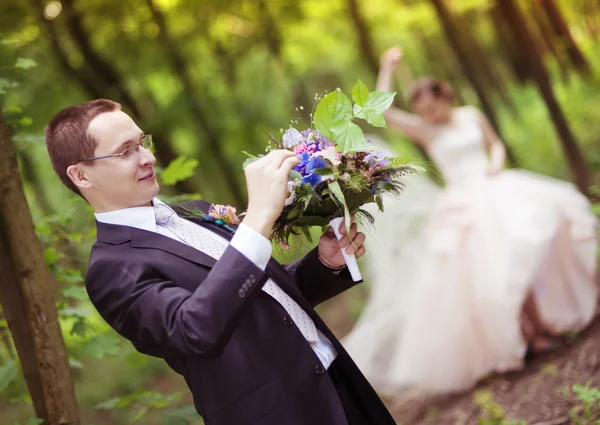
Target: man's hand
330, 249
267, 180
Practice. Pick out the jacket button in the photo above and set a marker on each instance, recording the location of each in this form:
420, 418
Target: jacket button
287, 321
319, 369
242, 293
251, 279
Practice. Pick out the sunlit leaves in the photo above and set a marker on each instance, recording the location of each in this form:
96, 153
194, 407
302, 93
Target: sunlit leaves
8, 373
182, 168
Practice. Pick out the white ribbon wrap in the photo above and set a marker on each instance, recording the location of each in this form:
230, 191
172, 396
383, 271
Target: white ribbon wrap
350, 259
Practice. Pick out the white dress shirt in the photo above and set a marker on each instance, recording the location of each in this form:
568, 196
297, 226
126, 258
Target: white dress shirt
246, 240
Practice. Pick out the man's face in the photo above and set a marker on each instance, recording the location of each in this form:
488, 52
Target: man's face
119, 182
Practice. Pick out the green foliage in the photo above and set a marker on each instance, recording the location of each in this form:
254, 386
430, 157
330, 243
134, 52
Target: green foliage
334, 115
587, 411
140, 402
8, 373
492, 413
179, 170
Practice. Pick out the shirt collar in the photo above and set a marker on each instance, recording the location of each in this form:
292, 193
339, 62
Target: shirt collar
142, 218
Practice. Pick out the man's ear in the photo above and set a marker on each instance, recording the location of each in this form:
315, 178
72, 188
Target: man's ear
78, 175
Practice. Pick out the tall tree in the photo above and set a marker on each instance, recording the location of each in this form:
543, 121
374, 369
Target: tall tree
191, 96
365, 39
455, 40
561, 29
27, 292
523, 38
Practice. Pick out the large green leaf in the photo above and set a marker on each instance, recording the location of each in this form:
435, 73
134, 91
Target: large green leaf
332, 110
360, 93
379, 101
350, 138
374, 118
101, 345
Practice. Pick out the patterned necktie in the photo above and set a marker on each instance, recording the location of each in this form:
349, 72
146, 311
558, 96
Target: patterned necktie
207, 242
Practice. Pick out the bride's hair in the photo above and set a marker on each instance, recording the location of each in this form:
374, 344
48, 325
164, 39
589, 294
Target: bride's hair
428, 85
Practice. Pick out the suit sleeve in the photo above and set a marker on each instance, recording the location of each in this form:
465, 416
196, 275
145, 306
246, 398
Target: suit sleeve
316, 282
166, 319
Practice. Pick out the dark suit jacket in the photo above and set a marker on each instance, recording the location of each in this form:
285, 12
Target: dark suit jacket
242, 357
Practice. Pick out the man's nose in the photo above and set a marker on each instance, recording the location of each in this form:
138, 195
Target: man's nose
146, 157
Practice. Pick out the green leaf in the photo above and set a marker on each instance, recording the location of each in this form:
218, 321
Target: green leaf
323, 171
77, 292
51, 256
338, 194
101, 345
360, 93
26, 121
379, 201
332, 110
8, 373
379, 101
25, 63
139, 414
80, 327
295, 175
181, 168
374, 118
358, 111
350, 138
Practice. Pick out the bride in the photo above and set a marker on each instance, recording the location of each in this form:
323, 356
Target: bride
505, 263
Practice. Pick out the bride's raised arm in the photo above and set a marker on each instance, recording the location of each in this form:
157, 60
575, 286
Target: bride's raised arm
493, 143
409, 124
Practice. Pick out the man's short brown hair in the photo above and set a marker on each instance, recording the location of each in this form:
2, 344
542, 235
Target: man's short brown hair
67, 138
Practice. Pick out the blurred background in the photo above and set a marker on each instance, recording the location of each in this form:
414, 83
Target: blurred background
210, 79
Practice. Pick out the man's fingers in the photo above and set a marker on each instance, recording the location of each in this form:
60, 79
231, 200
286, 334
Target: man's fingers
346, 240
356, 244
277, 157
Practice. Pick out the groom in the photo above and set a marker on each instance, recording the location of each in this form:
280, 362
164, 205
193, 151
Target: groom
216, 307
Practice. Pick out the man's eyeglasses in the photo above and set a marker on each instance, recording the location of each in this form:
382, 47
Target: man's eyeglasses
145, 142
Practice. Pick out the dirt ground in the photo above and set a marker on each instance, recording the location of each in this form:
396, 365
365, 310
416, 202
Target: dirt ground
539, 394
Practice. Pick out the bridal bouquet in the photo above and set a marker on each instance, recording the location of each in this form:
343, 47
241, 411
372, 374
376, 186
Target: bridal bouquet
339, 170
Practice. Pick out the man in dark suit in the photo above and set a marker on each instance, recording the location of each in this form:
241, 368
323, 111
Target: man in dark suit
213, 304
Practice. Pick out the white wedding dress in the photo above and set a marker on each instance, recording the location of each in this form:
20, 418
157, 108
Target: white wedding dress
449, 278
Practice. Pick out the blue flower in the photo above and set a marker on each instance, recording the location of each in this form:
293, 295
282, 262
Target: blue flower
310, 176
304, 158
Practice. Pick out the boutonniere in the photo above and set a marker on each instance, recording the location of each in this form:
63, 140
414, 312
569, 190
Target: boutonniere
221, 215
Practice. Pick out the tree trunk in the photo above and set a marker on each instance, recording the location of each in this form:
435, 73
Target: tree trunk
27, 291
181, 68
561, 29
548, 39
467, 65
524, 39
365, 40
505, 39
478, 54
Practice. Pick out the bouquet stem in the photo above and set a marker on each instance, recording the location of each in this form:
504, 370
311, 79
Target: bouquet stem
350, 259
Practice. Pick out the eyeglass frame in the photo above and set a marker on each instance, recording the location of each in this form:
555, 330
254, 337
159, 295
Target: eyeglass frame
145, 137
